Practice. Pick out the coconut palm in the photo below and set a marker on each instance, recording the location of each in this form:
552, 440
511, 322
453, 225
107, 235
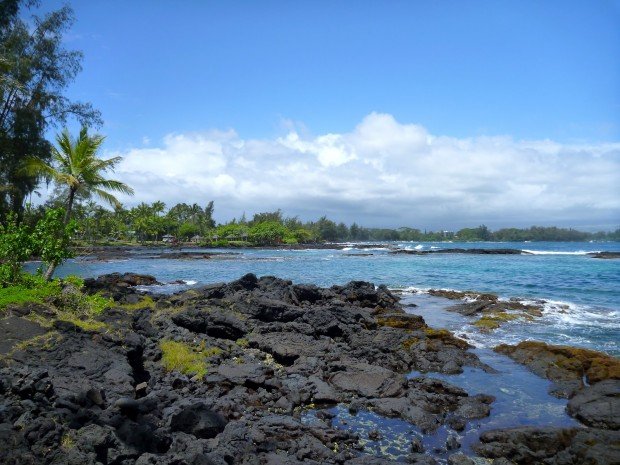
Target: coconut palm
75, 165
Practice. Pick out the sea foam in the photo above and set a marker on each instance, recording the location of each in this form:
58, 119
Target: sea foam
555, 252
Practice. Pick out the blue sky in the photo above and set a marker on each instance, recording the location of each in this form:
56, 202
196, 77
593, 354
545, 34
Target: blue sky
530, 69
519, 70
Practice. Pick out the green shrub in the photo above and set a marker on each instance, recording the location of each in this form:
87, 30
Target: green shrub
75, 280
16, 246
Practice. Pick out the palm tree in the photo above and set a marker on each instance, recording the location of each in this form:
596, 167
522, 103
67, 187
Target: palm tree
75, 164
158, 207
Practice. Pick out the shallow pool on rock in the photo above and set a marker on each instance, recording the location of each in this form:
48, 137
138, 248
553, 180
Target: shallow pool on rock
522, 399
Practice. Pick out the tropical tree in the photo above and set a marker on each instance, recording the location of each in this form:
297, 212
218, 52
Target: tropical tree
36, 70
76, 166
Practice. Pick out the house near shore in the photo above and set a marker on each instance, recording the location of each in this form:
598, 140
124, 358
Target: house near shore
195, 239
168, 238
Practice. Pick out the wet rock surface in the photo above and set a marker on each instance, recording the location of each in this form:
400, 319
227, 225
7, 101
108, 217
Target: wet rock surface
491, 311
461, 251
605, 255
223, 374
529, 445
590, 379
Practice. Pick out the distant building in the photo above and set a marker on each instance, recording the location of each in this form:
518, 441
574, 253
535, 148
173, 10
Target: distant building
196, 238
168, 238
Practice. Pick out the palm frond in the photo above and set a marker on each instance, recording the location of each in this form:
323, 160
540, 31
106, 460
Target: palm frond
106, 196
117, 186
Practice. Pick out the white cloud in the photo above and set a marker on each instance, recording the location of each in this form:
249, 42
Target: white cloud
384, 173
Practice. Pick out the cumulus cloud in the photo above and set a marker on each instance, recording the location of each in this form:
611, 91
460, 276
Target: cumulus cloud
384, 173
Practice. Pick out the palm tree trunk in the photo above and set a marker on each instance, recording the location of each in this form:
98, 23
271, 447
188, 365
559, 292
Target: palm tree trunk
69, 205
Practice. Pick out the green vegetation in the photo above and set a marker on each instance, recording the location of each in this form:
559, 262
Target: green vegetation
36, 70
186, 358
494, 320
76, 167
64, 299
67, 442
34, 290
49, 239
145, 302
73, 300
445, 336
191, 223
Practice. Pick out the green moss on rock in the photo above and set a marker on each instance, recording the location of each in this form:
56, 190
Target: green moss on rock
564, 362
446, 337
400, 321
185, 358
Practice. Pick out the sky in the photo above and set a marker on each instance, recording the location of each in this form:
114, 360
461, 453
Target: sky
429, 114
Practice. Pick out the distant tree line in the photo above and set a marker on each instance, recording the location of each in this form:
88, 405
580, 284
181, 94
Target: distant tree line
148, 223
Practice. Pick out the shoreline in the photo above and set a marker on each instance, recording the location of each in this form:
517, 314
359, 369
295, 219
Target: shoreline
167, 251
274, 350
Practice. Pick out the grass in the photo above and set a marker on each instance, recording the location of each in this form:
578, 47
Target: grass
67, 442
185, 358
145, 302
65, 294
63, 297
45, 341
87, 325
24, 293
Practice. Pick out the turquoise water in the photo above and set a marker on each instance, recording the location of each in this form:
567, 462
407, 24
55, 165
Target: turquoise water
583, 293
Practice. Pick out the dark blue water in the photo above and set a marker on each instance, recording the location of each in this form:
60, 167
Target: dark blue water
583, 293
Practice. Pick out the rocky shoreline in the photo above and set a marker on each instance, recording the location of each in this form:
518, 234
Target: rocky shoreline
472, 251
195, 252
225, 373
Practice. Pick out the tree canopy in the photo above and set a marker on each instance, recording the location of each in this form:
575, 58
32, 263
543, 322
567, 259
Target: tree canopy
35, 71
76, 166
